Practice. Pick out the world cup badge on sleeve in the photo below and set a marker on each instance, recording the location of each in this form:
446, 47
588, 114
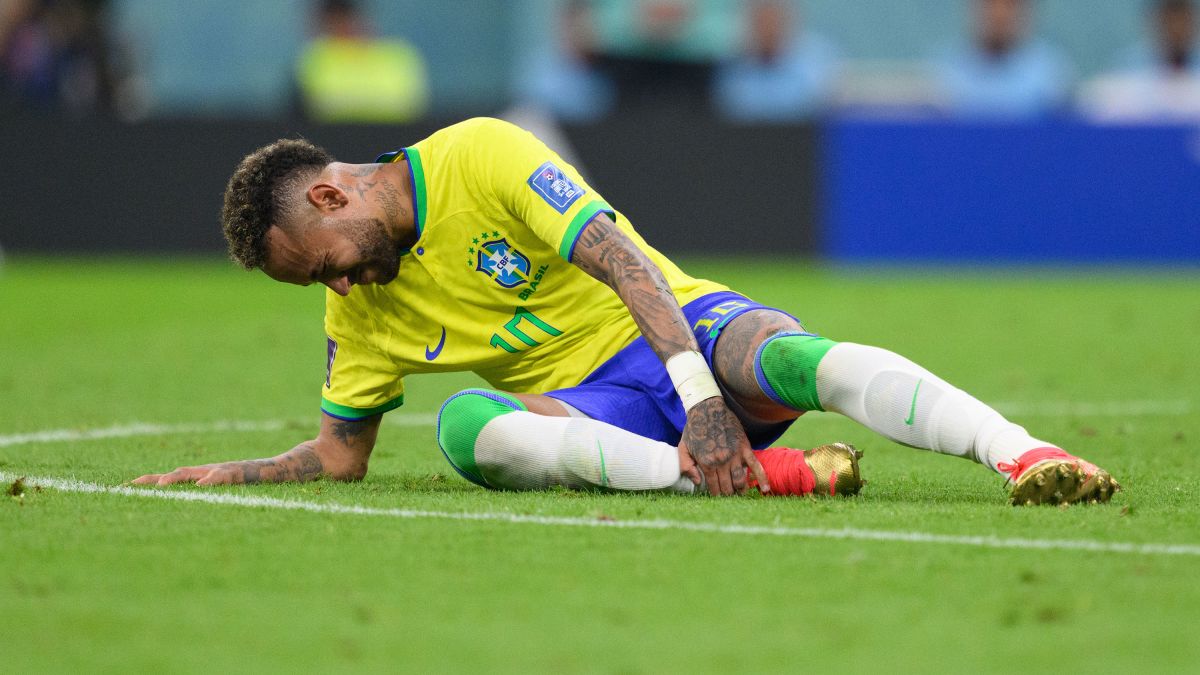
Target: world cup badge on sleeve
555, 187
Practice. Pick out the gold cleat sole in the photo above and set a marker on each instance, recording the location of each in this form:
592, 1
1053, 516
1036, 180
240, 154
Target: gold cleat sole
835, 467
1062, 482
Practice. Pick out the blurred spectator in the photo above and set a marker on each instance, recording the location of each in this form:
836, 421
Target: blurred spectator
560, 79
347, 75
56, 54
1157, 80
663, 52
784, 73
667, 30
1003, 72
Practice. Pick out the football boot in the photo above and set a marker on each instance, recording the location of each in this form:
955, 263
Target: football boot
1052, 476
824, 470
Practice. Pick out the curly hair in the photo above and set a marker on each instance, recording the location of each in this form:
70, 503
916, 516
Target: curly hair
259, 192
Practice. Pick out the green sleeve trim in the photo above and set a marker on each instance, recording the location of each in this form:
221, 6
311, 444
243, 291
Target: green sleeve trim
417, 171
566, 248
345, 412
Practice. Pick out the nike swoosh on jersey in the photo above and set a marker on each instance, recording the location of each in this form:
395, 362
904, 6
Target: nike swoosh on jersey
433, 354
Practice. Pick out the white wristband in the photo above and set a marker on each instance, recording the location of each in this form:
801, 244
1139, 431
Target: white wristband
692, 378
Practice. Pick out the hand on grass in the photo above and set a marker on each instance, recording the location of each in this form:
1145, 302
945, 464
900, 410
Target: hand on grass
301, 463
208, 474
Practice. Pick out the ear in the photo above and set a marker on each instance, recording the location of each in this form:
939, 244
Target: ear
327, 197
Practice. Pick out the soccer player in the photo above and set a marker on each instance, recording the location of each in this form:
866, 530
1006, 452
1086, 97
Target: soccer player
480, 249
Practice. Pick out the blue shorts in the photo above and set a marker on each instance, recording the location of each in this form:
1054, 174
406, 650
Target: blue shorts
632, 390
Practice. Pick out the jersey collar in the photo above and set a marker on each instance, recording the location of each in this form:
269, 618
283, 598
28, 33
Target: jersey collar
416, 177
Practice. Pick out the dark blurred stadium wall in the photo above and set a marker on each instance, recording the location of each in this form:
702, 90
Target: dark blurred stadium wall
865, 190
689, 183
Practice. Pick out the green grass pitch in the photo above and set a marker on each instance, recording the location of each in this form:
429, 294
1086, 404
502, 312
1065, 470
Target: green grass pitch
1104, 362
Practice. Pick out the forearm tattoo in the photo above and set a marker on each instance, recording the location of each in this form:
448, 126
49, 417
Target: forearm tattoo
301, 463
612, 258
712, 435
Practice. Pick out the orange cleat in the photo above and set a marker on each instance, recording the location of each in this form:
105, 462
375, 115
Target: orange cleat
1052, 476
824, 470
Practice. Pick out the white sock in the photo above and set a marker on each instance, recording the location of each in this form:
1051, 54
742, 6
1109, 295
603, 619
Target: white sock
897, 398
526, 451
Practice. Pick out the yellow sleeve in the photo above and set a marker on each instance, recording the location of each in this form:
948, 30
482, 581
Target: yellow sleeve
535, 184
359, 381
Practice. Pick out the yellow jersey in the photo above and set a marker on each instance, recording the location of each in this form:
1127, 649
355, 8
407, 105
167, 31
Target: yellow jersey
489, 285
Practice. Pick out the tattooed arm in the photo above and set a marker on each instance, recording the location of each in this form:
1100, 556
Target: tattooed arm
713, 436
340, 451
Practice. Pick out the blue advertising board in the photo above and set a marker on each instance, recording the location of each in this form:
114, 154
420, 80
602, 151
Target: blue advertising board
1049, 191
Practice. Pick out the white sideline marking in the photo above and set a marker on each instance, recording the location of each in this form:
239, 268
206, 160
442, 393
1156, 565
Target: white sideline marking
68, 485
1136, 408
141, 429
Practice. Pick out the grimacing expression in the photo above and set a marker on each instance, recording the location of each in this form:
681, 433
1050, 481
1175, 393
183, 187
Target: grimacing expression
337, 252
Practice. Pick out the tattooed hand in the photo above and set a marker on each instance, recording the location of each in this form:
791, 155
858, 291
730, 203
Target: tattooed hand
715, 439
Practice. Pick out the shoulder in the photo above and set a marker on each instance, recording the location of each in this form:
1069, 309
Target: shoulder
478, 138
482, 127
467, 131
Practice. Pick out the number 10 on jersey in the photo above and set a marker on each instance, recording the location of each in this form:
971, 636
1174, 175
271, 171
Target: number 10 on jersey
513, 328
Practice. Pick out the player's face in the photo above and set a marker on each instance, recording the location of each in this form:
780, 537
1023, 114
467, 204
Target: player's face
337, 252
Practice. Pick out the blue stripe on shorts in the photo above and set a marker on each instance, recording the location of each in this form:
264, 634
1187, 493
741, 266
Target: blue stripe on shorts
632, 390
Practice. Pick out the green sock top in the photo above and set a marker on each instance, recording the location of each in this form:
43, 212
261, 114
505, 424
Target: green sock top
460, 420
786, 368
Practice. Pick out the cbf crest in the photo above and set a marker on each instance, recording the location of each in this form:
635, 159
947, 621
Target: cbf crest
500, 262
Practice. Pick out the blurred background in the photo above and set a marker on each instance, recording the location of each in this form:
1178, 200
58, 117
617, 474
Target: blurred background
995, 131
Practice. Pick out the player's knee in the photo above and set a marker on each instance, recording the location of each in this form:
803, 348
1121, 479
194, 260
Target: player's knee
460, 420
785, 366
